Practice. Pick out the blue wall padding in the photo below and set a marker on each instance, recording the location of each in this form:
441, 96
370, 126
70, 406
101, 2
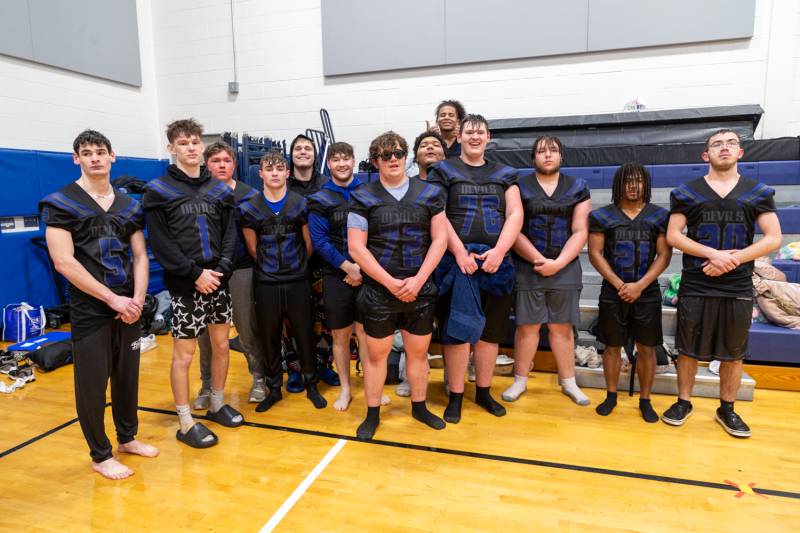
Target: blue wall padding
25, 177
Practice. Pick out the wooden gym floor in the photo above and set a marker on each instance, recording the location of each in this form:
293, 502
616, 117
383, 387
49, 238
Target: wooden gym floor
547, 465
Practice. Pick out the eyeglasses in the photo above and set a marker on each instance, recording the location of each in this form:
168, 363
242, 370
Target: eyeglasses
398, 154
729, 144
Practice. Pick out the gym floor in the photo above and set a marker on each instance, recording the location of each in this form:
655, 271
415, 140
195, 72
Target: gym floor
547, 465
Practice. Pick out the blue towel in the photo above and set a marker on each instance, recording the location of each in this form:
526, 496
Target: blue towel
465, 318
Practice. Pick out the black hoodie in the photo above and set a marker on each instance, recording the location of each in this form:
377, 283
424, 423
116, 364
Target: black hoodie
191, 226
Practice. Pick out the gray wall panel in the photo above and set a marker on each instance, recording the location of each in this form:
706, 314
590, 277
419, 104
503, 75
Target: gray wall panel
95, 37
633, 24
16, 29
372, 35
504, 29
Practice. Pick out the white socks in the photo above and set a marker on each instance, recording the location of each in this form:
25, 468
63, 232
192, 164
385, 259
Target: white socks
571, 389
217, 400
519, 386
184, 417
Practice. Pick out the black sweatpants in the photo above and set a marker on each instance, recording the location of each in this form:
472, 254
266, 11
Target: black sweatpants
110, 351
293, 301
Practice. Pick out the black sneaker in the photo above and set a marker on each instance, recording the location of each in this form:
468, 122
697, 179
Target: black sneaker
677, 414
732, 423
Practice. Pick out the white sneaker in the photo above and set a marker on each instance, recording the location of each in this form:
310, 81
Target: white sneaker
203, 399
504, 360
147, 343
258, 392
471, 372
403, 389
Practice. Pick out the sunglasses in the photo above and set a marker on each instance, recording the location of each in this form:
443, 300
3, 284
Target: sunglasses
398, 154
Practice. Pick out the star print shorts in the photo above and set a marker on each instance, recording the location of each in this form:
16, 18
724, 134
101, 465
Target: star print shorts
192, 314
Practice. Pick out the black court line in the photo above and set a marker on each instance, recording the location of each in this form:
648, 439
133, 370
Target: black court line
507, 459
37, 438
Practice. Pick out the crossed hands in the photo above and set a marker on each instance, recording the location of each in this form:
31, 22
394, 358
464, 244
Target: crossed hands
128, 309
629, 292
406, 290
208, 281
353, 277
721, 262
468, 261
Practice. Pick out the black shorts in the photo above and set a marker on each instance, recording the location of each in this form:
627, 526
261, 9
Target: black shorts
383, 313
713, 327
619, 321
496, 309
339, 301
192, 314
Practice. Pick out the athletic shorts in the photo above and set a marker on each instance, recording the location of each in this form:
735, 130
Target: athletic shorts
548, 306
383, 314
496, 309
713, 327
619, 321
339, 300
192, 314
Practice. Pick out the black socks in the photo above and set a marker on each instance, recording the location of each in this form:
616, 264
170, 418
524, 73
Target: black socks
452, 413
485, 400
726, 406
420, 412
316, 398
648, 413
367, 428
608, 405
272, 398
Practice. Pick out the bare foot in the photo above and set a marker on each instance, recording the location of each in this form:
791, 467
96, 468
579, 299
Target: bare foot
385, 400
112, 469
343, 401
138, 448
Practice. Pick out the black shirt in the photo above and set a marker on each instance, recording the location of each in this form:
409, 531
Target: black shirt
630, 245
724, 224
306, 188
191, 226
242, 193
101, 241
476, 201
280, 248
399, 232
548, 219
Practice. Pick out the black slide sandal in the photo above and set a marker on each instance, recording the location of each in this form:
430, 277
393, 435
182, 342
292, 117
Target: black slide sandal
225, 417
194, 437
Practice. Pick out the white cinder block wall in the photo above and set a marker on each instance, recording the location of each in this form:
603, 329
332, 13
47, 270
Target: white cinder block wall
187, 62
282, 86
44, 108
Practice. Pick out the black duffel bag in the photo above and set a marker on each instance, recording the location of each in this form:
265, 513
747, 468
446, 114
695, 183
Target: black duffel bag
51, 356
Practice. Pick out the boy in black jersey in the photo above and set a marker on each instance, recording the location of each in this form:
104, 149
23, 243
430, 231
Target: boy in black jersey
548, 271
397, 233
715, 299
192, 228
94, 235
484, 213
428, 149
327, 223
221, 164
275, 231
628, 247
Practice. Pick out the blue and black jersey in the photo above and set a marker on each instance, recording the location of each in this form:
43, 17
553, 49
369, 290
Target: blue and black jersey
476, 202
630, 245
548, 219
101, 241
242, 193
327, 223
280, 249
723, 223
399, 231
191, 226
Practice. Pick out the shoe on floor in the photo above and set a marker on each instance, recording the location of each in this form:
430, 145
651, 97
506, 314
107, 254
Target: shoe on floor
732, 423
329, 376
403, 389
677, 414
471, 372
504, 360
258, 391
203, 399
295, 381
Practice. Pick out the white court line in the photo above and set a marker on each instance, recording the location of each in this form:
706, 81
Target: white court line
302, 487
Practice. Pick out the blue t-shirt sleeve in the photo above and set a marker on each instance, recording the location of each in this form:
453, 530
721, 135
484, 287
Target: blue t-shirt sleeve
354, 220
319, 228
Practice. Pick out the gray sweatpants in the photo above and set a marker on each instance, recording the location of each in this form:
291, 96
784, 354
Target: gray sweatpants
244, 319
